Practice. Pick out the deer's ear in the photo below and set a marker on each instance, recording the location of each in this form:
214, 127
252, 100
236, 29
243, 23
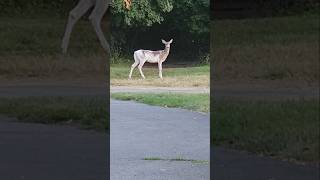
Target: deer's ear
163, 41
171, 41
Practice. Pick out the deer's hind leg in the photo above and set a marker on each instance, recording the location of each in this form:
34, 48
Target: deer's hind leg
134, 65
75, 14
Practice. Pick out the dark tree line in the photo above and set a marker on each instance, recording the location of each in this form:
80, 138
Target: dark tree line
221, 9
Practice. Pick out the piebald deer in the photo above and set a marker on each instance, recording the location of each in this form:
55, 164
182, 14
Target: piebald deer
141, 56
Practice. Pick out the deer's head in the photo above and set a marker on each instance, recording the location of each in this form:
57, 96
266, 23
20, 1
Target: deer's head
167, 44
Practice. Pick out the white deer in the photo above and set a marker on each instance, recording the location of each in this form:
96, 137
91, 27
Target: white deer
141, 56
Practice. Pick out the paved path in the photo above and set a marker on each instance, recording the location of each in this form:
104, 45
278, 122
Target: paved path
44, 152
14, 90
234, 165
139, 131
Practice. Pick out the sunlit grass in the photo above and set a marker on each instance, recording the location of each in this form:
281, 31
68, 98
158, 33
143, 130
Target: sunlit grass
195, 102
172, 77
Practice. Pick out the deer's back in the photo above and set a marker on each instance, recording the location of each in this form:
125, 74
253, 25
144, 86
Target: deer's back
148, 55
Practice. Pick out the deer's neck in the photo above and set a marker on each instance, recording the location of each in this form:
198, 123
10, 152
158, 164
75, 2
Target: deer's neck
164, 54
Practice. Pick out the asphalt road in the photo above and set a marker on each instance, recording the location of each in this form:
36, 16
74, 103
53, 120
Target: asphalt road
234, 165
141, 131
45, 152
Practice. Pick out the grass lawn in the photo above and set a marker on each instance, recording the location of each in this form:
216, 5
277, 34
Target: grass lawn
34, 36
30, 48
287, 130
277, 48
198, 76
87, 112
195, 102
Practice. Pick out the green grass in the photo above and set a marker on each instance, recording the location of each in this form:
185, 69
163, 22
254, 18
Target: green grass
121, 71
288, 130
195, 102
21, 36
53, 67
269, 48
274, 30
152, 158
176, 159
86, 112
197, 76
31, 48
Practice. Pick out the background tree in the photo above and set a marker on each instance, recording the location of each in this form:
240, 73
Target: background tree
186, 21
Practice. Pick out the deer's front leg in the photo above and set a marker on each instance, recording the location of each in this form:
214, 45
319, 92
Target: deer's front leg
160, 69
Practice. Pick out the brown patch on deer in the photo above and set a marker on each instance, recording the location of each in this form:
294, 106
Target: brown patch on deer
155, 53
163, 56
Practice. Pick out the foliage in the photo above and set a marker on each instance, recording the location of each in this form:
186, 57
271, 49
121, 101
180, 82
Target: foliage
181, 13
191, 15
186, 21
142, 12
